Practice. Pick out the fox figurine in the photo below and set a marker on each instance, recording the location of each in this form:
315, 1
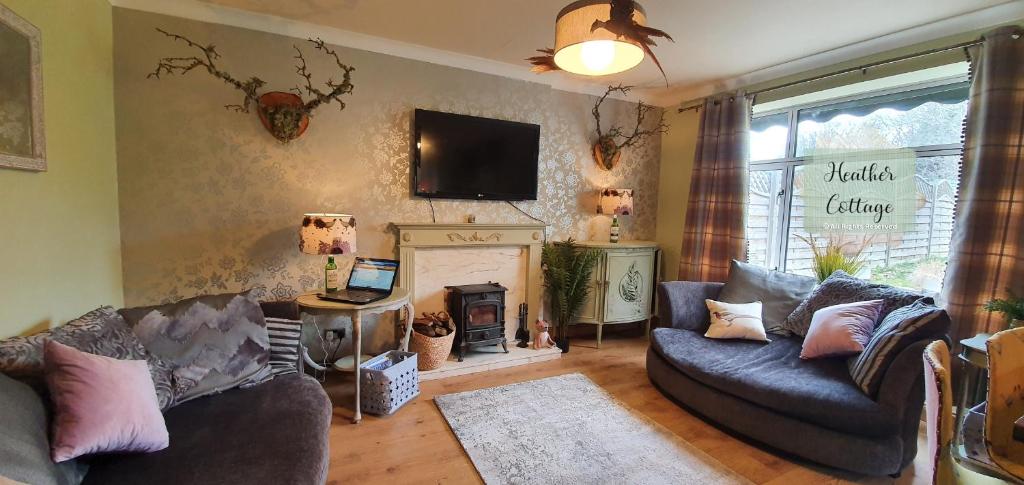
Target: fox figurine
543, 339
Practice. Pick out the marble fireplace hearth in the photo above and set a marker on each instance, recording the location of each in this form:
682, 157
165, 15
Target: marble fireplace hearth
437, 255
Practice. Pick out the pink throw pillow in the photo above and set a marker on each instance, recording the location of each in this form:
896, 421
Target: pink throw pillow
101, 404
841, 330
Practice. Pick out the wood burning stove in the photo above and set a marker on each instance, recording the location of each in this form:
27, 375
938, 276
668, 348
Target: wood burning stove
479, 315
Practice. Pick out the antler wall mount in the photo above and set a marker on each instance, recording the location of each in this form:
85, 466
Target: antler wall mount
285, 115
607, 149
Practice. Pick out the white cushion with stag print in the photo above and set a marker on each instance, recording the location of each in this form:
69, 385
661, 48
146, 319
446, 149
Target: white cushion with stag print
736, 320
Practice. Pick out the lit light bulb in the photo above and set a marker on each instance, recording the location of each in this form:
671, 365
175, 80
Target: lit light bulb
597, 55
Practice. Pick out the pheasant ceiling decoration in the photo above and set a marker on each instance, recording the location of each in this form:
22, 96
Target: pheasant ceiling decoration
600, 37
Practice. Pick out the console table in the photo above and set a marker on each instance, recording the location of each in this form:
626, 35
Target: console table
622, 284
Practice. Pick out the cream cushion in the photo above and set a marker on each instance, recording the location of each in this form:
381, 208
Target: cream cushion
736, 320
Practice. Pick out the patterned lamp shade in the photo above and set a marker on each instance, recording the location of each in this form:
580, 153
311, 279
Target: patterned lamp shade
616, 202
327, 234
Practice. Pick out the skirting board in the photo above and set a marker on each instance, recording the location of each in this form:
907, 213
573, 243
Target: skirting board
482, 359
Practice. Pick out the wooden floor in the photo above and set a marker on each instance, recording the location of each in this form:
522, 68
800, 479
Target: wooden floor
416, 445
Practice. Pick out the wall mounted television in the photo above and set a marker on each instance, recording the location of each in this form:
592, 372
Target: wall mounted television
468, 157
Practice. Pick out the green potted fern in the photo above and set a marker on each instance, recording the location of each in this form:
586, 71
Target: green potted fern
834, 256
567, 268
1012, 307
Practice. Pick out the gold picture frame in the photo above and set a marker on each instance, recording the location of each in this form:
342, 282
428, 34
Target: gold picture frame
22, 137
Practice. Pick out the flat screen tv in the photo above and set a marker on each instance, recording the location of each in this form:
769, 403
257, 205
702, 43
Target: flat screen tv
467, 157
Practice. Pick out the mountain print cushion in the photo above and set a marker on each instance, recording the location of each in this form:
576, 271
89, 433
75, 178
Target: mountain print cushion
736, 320
215, 342
100, 332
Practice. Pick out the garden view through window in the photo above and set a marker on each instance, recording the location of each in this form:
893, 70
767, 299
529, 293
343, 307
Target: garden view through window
926, 118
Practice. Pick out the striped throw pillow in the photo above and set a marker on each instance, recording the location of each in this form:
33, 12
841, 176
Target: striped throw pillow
898, 330
284, 345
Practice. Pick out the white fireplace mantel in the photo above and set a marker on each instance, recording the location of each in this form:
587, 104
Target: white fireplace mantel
413, 236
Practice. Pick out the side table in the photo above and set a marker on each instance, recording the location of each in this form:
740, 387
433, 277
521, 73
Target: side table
974, 382
399, 299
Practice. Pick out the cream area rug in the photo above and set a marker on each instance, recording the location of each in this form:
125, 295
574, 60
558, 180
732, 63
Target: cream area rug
567, 430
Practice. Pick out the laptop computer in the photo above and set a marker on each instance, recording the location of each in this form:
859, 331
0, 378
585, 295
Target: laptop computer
370, 280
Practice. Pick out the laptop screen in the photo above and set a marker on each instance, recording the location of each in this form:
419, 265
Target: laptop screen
373, 274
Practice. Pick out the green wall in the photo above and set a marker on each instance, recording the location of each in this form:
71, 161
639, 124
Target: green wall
677, 151
60, 242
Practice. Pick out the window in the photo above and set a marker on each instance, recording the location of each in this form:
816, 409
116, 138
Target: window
926, 118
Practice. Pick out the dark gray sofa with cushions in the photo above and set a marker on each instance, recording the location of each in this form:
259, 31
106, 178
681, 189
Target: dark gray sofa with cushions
810, 408
274, 432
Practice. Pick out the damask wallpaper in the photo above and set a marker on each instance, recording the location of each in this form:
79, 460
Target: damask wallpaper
210, 202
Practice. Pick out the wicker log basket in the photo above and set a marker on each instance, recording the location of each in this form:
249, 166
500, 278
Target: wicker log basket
432, 338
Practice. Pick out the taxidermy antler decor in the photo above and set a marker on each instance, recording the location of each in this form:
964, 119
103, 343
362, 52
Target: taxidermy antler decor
596, 38
607, 149
284, 115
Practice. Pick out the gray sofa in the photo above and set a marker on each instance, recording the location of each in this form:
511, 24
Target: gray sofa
809, 408
275, 432
272, 433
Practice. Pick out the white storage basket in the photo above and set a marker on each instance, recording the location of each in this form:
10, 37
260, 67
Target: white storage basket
388, 381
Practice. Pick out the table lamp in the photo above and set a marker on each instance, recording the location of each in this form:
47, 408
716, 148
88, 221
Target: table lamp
327, 234
615, 202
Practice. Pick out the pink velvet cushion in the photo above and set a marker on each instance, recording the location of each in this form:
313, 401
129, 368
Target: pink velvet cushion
841, 330
101, 404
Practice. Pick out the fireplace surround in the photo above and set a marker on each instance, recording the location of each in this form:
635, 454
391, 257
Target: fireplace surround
435, 255
415, 238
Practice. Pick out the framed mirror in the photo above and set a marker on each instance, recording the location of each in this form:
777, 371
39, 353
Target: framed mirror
22, 141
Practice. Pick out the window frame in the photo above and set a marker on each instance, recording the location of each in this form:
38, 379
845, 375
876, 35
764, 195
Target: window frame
788, 164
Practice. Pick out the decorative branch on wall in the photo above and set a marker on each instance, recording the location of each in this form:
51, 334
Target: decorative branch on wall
607, 149
285, 115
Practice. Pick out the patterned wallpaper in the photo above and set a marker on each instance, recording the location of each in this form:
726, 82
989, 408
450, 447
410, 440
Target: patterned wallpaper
210, 202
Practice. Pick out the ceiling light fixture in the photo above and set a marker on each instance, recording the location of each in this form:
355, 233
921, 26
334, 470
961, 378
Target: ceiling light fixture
580, 50
599, 37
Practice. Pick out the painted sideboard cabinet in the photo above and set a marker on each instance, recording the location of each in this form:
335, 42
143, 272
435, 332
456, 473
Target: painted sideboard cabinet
622, 284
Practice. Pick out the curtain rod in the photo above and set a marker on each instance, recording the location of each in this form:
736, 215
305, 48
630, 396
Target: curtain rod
864, 67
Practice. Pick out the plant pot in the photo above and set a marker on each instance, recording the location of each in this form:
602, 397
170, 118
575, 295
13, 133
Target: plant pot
563, 344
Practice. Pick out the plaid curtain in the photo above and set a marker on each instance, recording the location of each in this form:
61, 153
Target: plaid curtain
985, 256
715, 212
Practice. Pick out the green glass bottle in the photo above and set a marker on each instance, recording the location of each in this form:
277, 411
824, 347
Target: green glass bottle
331, 278
614, 233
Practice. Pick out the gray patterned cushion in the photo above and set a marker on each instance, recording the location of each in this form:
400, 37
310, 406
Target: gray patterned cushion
839, 288
898, 330
100, 332
779, 293
215, 342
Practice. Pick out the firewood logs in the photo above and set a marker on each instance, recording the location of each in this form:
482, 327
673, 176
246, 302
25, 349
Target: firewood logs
434, 324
